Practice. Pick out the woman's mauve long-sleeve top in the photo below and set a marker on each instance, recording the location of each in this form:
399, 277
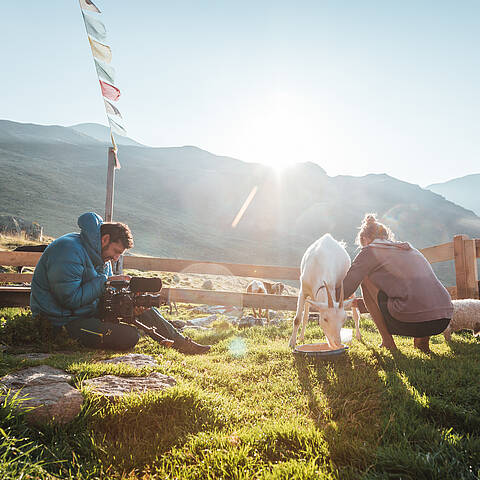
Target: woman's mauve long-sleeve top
414, 292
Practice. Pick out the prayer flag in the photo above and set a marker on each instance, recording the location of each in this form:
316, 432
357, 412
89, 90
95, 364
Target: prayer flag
112, 109
95, 28
89, 5
109, 91
105, 72
100, 51
116, 127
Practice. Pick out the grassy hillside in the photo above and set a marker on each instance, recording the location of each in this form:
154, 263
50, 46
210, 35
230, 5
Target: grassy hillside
180, 202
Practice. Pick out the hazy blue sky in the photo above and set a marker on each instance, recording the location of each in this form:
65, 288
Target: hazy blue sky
356, 86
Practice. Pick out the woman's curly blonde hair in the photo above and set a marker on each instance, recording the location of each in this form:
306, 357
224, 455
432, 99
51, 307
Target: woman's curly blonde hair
371, 229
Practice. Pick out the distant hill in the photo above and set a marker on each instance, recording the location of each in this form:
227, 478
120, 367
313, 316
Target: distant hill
102, 134
463, 191
181, 201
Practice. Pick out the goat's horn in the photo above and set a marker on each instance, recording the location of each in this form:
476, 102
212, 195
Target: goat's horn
329, 295
340, 305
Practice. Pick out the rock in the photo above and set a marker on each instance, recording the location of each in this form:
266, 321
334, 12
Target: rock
46, 389
33, 356
249, 321
114, 387
195, 327
15, 225
207, 285
137, 360
202, 321
178, 323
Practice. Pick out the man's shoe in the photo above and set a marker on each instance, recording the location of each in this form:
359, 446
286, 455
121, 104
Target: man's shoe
189, 347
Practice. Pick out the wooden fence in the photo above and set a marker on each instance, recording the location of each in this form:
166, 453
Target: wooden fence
462, 250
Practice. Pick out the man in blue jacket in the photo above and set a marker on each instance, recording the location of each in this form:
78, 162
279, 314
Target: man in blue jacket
70, 279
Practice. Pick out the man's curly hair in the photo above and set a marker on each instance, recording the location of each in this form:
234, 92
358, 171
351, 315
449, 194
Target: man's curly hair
119, 232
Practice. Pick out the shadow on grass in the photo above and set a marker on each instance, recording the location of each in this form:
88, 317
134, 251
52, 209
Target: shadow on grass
344, 399
432, 403
399, 415
140, 429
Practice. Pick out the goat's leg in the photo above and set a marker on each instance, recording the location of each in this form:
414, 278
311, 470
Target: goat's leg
268, 316
306, 314
298, 318
356, 318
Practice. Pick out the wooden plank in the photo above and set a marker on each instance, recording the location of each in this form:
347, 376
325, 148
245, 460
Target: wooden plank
214, 268
439, 253
477, 246
16, 277
20, 296
471, 268
239, 299
460, 265
453, 292
19, 259
14, 297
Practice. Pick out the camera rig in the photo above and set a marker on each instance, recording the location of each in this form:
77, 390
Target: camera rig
121, 298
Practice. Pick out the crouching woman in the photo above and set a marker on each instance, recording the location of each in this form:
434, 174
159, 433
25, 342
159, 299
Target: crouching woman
399, 287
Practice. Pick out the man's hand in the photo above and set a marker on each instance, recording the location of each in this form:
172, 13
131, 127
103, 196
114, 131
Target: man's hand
119, 278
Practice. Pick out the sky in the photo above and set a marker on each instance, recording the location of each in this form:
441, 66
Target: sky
356, 86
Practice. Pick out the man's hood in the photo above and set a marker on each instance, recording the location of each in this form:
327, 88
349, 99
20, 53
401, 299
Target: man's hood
89, 224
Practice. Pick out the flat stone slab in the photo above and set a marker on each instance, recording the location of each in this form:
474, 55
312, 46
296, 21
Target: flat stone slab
33, 356
138, 360
41, 375
46, 389
114, 387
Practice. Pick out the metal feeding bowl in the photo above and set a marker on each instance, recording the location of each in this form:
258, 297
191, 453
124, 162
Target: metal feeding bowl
319, 350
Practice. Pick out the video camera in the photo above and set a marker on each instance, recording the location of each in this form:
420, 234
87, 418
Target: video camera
122, 297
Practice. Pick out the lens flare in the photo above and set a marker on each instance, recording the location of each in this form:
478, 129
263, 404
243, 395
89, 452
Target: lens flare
237, 347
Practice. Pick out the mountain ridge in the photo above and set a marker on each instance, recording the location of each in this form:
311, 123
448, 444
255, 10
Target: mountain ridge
181, 201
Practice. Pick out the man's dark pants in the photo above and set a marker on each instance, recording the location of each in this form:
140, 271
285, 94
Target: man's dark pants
93, 333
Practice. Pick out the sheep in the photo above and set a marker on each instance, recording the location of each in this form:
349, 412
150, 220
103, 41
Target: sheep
466, 316
256, 286
323, 268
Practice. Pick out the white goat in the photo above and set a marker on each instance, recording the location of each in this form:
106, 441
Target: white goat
324, 266
466, 316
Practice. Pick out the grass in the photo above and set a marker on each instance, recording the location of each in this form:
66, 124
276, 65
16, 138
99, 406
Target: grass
251, 410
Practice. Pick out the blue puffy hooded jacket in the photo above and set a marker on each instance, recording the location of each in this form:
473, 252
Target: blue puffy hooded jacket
70, 276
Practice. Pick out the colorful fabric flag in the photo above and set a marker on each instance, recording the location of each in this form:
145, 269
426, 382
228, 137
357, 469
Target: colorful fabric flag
100, 51
89, 5
105, 72
116, 127
112, 109
109, 91
95, 28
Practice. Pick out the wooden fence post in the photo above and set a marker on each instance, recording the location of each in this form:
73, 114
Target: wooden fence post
466, 270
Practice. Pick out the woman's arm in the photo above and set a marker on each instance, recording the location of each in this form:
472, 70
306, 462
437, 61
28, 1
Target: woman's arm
361, 266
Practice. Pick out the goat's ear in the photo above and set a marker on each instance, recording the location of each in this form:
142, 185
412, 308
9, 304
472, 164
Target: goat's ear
318, 305
340, 302
348, 303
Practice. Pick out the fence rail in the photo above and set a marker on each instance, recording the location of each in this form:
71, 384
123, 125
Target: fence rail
462, 250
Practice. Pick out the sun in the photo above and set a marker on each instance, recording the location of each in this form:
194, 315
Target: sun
281, 132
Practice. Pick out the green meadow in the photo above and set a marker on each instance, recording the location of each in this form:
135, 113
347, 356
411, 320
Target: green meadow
250, 409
